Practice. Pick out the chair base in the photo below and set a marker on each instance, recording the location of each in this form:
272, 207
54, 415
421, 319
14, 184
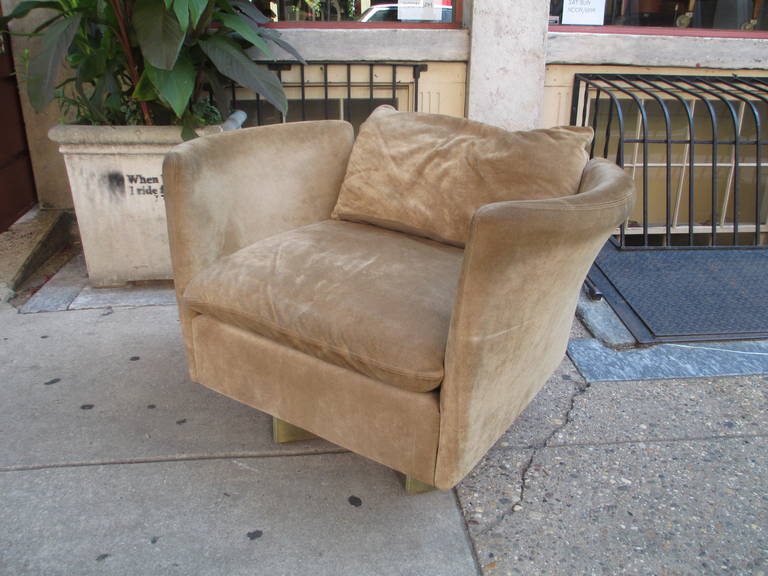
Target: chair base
283, 432
413, 486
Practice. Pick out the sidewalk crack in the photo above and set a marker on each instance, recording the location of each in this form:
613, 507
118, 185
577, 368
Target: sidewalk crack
581, 389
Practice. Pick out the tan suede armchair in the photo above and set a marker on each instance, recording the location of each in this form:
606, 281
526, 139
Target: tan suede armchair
413, 352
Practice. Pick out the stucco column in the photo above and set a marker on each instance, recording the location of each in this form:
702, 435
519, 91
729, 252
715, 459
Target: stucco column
507, 60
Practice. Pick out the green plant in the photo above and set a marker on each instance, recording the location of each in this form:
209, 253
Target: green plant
148, 61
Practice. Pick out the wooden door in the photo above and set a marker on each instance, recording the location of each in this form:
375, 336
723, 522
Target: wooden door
17, 184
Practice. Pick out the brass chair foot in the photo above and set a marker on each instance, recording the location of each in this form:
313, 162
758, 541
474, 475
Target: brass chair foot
283, 432
413, 486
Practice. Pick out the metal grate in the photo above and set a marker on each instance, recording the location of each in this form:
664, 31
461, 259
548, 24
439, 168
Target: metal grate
335, 90
695, 146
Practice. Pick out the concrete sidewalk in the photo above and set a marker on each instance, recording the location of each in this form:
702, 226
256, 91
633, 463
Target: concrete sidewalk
644, 477
112, 462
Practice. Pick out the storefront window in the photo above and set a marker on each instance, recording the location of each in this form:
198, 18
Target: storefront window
361, 11
707, 14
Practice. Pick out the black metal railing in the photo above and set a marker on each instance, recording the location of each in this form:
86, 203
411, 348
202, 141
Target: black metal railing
335, 90
695, 146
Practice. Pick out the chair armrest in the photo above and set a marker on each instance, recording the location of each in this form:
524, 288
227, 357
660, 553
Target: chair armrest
226, 191
523, 269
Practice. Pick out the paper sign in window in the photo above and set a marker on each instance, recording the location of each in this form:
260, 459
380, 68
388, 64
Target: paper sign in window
419, 10
589, 12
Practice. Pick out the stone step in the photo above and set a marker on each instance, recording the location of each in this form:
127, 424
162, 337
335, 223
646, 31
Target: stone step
28, 243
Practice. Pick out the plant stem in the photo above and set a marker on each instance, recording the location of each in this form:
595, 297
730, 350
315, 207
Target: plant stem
126, 45
205, 18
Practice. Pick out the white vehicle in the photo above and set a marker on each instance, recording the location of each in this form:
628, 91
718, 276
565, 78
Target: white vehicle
394, 12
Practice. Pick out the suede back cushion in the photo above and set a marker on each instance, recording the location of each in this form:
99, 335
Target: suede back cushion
426, 174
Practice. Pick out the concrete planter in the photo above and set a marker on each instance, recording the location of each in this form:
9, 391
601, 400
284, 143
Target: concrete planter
115, 173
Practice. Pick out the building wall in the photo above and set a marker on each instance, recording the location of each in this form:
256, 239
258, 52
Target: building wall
512, 54
508, 70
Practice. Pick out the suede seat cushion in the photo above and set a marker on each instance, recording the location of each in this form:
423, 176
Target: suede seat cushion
427, 174
374, 301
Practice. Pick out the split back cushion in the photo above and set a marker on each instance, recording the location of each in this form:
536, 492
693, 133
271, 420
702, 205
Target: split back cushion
427, 174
